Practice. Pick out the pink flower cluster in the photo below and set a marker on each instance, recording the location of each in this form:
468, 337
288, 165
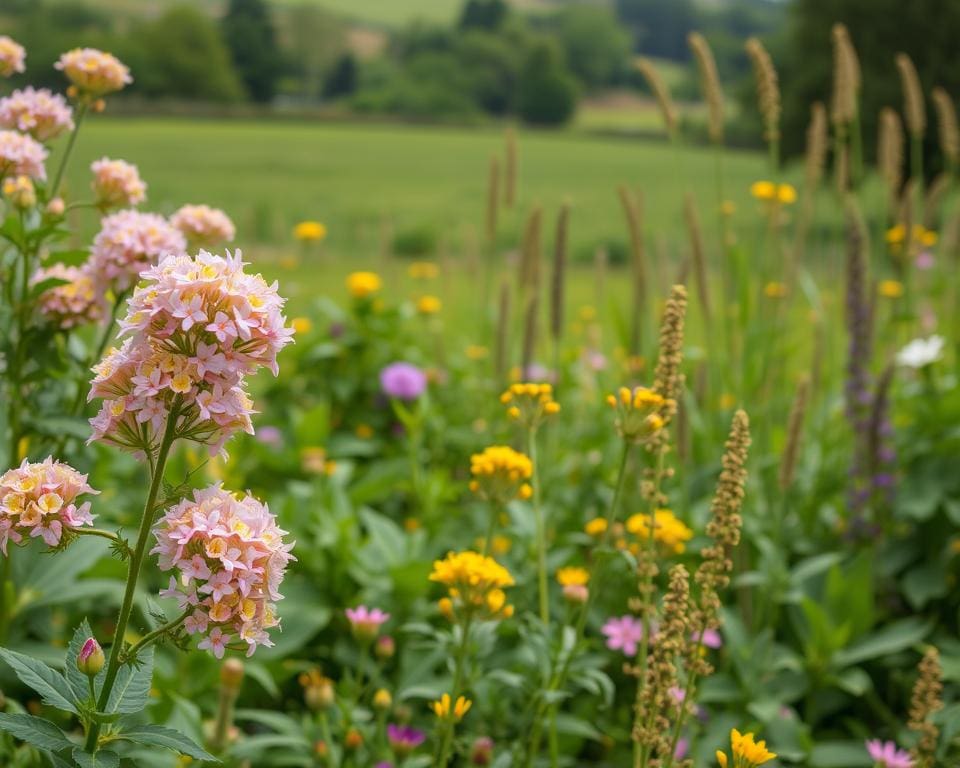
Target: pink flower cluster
117, 183
40, 500
12, 56
197, 327
94, 72
231, 559
69, 304
40, 113
21, 155
128, 242
203, 226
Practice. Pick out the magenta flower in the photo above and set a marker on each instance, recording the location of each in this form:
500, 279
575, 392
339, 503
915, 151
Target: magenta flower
711, 638
365, 622
886, 754
623, 633
404, 739
403, 381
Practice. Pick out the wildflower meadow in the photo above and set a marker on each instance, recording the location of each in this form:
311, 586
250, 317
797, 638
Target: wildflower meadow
697, 506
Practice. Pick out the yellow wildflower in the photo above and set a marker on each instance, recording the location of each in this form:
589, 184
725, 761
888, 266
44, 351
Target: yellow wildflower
573, 576
302, 324
477, 352
596, 527
475, 583
428, 305
667, 529
501, 474
362, 285
364, 431
890, 289
726, 401
444, 711
423, 270
638, 412
530, 403
310, 231
774, 290
770, 192
747, 753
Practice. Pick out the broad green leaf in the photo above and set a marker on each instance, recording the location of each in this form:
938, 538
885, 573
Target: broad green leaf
839, 754
159, 736
50, 684
893, 638
35, 730
576, 726
104, 758
76, 678
131, 691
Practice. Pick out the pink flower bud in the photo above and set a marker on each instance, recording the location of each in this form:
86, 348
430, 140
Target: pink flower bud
385, 647
90, 660
56, 207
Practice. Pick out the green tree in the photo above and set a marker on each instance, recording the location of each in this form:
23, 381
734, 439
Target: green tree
248, 31
596, 46
181, 54
342, 79
547, 92
483, 14
659, 28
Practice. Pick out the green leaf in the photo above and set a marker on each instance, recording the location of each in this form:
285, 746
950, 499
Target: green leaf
49, 683
131, 691
104, 758
76, 678
35, 730
891, 639
839, 754
45, 285
71, 258
159, 736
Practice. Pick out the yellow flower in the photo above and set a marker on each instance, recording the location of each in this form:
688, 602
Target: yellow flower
477, 352
364, 431
667, 529
573, 576
382, 699
20, 191
310, 231
895, 234
530, 403
302, 324
428, 305
475, 584
890, 289
638, 412
423, 270
726, 401
588, 313
747, 753
442, 709
786, 194
774, 290
501, 473
363, 284
770, 192
596, 527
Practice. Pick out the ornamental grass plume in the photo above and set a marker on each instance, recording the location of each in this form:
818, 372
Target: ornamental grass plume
890, 153
530, 329
40, 500
12, 56
768, 90
815, 158
501, 348
667, 377
36, 112
709, 84
528, 277
501, 474
846, 79
493, 200
698, 254
93, 73
926, 701
117, 184
661, 93
72, 303
128, 243
512, 171
948, 132
196, 328
558, 277
913, 106
21, 155
632, 210
203, 226
788, 459
230, 556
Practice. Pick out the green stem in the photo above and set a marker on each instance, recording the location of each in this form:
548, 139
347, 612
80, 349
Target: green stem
447, 742
157, 633
133, 573
328, 739
495, 510
541, 535
617, 492
7, 596
81, 111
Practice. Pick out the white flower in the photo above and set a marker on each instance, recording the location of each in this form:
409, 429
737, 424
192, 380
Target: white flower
921, 352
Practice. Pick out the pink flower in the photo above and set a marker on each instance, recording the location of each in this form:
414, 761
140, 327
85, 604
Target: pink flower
231, 557
69, 304
21, 155
129, 242
39, 113
711, 638
12, 56
623, 633
887, 755
93, 72
365, 622
39, 501
203, 226
116, 183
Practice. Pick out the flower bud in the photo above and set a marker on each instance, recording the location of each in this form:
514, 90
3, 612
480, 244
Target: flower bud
382, 699
385, 647
353, 739
56, 207
231, 674
90, 660
481, 753
99, 105
576, 593
19, 190
320, 696
320, 749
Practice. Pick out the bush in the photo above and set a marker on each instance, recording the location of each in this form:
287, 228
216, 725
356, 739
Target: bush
547, 93
415, 241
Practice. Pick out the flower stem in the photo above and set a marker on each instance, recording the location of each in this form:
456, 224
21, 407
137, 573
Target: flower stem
447, 742
540, 529
133, 573
81, 111
157, 633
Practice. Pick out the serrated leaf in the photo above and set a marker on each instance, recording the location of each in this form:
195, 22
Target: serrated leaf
76, 678
159, 736
49, 683
104, 758
35, 730
131, 691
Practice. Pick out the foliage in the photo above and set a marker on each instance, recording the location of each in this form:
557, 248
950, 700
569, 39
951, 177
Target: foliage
546, 93
249, 34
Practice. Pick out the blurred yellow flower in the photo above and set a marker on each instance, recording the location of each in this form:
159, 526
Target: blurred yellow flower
573, 576
363, 284
596, 527
477, 352
771, 192
423, 270
310, 231
530, 403
747, 753
588, 313
364, 431
443, 710
726, 401
775, 290
897, 235
500, 474
411, 524
474, 584
638, 412
890, 289
313, 460
667, 529
428, 305
302, 324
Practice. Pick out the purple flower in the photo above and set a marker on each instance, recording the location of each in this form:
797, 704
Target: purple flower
680, 751
403, 381
711, 638
623, 633
365, 622
270, 435
886, 754
404, 739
